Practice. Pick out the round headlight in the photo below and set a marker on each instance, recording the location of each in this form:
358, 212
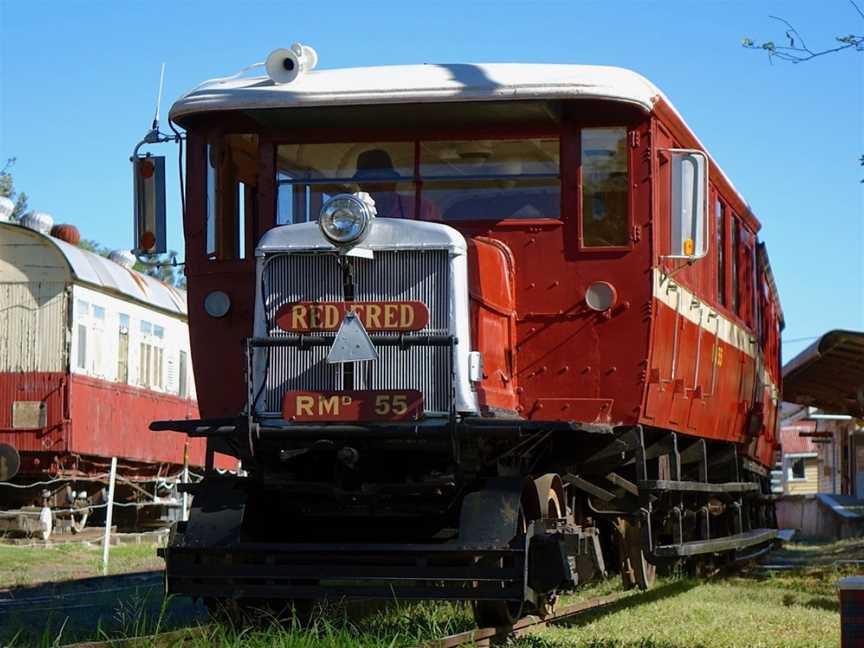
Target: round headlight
346, 217
217, 303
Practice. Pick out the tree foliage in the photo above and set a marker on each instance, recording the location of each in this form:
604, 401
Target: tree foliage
796, 49
7, 189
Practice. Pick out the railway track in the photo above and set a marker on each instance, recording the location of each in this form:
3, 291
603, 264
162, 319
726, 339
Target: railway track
480, 637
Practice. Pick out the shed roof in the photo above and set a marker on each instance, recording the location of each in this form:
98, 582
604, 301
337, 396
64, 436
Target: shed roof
829, 374
101, 272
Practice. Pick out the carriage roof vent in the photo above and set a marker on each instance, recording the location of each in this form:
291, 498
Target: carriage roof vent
124, 258
39, 222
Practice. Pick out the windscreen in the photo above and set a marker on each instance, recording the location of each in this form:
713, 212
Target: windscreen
452, 180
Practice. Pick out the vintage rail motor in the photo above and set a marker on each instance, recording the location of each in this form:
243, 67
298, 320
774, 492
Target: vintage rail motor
475, 332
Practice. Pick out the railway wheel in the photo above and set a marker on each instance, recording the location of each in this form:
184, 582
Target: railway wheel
636, 571
495, 614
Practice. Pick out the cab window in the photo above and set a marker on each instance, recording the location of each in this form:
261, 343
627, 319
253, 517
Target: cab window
453, 180
232, 178
605, 214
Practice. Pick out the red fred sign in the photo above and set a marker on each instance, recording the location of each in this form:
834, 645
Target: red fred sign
394, 316
365, 405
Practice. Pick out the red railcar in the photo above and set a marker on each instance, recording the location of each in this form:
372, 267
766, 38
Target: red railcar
597, 372
92, 350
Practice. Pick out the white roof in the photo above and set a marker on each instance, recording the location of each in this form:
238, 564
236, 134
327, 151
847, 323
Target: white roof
422, 84
429, 83
106, 274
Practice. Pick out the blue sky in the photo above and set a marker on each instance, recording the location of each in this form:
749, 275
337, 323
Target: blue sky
78, 83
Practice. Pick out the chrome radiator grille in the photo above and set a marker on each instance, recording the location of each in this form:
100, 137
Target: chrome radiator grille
392, 275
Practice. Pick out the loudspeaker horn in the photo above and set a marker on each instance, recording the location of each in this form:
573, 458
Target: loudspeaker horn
284, 65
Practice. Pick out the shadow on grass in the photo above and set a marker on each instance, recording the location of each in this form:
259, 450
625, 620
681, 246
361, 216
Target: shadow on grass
651, 596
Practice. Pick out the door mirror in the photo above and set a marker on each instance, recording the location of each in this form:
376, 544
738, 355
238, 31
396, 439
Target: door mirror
148, 180
689, 201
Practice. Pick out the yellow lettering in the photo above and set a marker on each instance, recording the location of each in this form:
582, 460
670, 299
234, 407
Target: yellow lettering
328, 405
400, 404
391, 312
303, 405
382, 404
331, 316
315, 317
373, 316
298, 317
407, 316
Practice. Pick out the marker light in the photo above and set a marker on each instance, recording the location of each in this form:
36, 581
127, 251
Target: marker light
217, 304
345, 218
601, 296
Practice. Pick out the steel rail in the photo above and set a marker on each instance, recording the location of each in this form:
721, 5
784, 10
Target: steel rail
480, 637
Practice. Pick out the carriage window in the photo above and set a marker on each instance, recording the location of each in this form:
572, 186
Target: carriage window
232, 168
721, 254
733, 262
123, 349
458, 180
605, 217
82, 309
97, 325
491, 179
182, 380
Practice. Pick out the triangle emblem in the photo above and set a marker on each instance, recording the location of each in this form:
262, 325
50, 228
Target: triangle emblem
352, 343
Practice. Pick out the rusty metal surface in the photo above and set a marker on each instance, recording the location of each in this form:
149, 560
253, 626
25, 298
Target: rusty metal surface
829, 374
485, 636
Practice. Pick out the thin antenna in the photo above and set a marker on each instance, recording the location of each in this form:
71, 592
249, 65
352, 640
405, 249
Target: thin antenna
159, 99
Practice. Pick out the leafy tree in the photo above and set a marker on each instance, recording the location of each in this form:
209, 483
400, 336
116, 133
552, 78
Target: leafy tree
796, 49
7, 189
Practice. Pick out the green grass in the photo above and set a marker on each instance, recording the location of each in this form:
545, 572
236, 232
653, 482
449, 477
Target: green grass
21, 565
757, 608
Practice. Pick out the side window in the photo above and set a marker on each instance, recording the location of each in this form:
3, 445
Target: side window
82, 312
182, 378
97, 325
735, 237
158, 379
123, 348
720, 220
605, 213
145, 355
232, 179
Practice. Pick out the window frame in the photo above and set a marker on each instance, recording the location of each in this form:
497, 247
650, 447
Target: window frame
418, 181
579, 206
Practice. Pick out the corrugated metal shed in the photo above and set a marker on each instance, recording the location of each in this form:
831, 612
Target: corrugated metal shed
829, 374
22, 244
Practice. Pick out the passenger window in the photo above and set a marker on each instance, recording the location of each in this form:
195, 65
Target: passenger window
123, 349
733, 260
491, 179
232, 179
721, 253
605, 213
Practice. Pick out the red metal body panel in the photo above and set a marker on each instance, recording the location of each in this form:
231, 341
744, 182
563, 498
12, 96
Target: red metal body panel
111, 419
547, 355
92, 418
492, 289
50, 388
